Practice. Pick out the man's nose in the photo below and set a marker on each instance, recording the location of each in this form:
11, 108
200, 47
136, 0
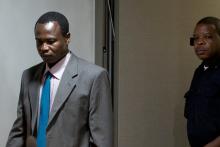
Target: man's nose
44, 47
200, 40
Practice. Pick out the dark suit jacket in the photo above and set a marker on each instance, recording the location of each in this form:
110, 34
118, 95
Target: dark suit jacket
81, 114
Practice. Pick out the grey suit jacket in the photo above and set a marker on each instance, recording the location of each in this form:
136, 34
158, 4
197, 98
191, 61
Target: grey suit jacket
81, 114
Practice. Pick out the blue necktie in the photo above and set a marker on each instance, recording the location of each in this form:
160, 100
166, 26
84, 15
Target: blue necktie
44, 112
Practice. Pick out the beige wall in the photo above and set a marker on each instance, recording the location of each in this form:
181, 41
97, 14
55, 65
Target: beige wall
154, 68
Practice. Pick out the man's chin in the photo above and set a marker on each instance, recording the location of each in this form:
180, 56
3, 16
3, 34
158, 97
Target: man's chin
48, 61
203, 57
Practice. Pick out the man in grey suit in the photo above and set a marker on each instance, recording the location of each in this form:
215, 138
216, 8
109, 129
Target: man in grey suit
80, 108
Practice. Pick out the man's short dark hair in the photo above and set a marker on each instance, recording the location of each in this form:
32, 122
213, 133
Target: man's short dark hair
210, 20
55, 16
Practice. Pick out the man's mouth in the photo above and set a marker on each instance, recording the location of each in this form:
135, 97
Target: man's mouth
201, 51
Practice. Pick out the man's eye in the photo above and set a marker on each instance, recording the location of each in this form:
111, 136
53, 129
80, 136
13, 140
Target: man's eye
51, 41
208, 37
195, 38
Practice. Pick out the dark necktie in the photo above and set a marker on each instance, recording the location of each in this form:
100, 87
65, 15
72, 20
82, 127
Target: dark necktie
44, 111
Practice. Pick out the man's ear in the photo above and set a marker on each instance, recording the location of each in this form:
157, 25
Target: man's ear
67, 36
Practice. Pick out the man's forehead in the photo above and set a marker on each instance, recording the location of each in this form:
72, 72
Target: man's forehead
205, 28
49, 25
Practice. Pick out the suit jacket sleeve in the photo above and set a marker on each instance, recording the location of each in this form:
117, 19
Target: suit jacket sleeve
17, 133
100, 112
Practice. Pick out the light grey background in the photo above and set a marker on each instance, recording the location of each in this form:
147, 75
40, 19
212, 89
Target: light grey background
17, 44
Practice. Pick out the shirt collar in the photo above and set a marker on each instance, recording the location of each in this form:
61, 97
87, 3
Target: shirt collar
58, 69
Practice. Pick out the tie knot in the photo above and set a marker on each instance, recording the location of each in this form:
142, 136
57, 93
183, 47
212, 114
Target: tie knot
48, 75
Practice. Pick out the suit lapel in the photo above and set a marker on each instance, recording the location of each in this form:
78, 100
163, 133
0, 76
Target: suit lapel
34, 94
66, 86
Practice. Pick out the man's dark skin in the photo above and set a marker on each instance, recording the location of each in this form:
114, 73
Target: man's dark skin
206, 42
52, 45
